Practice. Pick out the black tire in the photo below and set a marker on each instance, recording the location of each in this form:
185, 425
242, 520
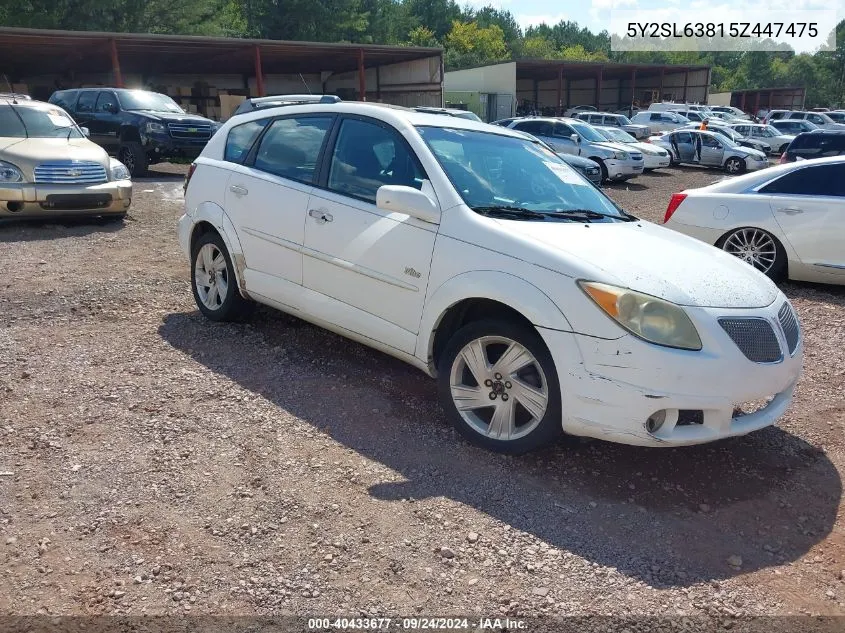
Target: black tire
782, 149
600, 163
778, 270
549, 428
132, 155
735, 165
233, 306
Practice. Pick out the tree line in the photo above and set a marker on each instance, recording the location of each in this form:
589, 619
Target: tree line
469, 36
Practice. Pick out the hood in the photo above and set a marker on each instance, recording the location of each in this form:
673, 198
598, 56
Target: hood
749, 151
613, 146
639, 126
577, 161
648, 258
175, 117
649, 148
26, 153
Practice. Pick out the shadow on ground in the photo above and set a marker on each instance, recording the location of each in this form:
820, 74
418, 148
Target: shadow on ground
669, 517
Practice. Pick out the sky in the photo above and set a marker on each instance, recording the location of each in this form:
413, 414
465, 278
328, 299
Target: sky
595, 14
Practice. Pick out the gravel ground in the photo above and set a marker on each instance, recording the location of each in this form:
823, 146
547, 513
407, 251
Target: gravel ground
154, 462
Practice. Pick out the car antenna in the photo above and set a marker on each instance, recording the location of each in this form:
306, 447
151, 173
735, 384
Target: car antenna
12, 92
306, 84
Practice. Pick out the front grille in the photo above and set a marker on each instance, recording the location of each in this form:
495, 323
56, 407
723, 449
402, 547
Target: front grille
690, 417
70, 172
755, 338
71, 202
789, 323
189, 131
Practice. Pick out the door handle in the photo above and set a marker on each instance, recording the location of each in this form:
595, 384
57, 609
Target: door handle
321, 216
790, 210
238, 190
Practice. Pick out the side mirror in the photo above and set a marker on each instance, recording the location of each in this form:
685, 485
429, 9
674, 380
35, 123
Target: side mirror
85, 131
575, 138
407, 200
112, 108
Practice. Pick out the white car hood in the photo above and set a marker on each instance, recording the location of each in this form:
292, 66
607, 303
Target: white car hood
651, 259
648, 148
617, 147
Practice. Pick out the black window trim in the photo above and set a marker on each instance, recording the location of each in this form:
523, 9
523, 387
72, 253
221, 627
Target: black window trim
249, 161
324, 163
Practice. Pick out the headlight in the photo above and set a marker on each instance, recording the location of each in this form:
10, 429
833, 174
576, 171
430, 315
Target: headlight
652, 319
10, 173
156, 128
119, 170
620, 155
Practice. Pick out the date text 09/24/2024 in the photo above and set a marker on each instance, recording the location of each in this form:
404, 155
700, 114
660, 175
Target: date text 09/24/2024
718, 29
412, 624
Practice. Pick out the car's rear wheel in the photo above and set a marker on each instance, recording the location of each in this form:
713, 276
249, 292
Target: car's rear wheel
499, 386
132, 155
783, 148
213, 280
756, 247
734, 165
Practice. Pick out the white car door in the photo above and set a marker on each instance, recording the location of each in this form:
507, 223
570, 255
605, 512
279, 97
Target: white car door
809, 206
369, 268
267, 195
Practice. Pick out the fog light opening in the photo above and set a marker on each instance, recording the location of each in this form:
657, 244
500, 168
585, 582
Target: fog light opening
655, 421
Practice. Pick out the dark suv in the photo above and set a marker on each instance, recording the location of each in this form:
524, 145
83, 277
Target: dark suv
815, 144
141, 128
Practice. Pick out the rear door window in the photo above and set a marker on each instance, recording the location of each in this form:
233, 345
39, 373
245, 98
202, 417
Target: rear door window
86, 101
818, 180
291, 146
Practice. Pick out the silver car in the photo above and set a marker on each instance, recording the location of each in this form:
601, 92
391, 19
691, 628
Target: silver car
608, 119
778, 140
653, 157
571, 136
820, 119
793, 126
658, 121
710, 149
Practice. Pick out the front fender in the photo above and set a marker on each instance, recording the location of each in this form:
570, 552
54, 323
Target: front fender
513, 291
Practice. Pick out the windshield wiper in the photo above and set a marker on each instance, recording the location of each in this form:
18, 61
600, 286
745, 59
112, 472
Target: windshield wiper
589, 214
510, 212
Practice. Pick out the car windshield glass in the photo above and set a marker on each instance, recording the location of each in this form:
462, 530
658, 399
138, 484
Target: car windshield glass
615, 134
587, 132
29, 122
770, 130
517, 176
151, 101
472, 116
623, 120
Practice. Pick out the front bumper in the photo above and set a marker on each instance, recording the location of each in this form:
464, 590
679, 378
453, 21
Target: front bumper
623, 169
609, 388
38, 200
655, 162
753, 164
163, 147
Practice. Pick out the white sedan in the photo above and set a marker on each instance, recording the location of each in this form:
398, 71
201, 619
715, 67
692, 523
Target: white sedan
653, 157
787, 220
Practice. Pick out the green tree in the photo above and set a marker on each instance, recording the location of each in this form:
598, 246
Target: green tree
467, 44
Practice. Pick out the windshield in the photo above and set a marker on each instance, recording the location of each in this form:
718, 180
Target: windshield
472, 116
615, 134
838, 117
492, 171
623, 120
151, 101
769, 130
28, 122
587, 132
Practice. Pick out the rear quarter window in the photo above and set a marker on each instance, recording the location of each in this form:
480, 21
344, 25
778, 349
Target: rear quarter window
240, 140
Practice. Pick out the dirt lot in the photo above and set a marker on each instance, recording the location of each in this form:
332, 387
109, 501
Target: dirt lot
154, 462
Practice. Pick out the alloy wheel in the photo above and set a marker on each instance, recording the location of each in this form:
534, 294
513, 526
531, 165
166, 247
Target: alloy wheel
127, 157
499, 388
753, 246
211, 276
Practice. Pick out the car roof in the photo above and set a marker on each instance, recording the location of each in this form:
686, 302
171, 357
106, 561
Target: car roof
398, 117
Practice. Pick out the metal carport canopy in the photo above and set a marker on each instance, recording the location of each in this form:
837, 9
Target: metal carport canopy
34, 51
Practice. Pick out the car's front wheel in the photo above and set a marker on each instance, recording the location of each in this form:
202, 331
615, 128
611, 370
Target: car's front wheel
132, 155
499, 386
758, 248
213, 280
734, 165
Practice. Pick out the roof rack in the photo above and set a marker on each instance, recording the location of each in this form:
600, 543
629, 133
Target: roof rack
275, 101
